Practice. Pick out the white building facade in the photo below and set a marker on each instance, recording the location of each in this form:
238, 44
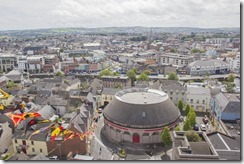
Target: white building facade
208, 67
199, 98
177, 60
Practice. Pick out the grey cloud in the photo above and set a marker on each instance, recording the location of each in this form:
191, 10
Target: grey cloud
25, 14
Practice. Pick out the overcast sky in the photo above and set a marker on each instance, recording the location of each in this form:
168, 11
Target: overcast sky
34, 14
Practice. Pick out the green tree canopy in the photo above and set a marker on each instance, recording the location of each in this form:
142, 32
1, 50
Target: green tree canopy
230, 87
106, 72
59, 73
180, 105
177, 128
11, 84
143, 77
132, 75
134, 69
193, 136
166, 137
197, 51
172, 50
172, 76
116, 74
147, 72
231, 78
187, 125
192, 117
187, 109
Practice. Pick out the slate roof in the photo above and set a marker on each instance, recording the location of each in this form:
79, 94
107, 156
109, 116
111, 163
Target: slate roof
39, 157
74, 81
233, 107
19, 157
47, 112
131, 115
170, 83
13, 72
195, 90
90, 98
77, 92
14, 92
55, 80
18, 134
95, 85
22, 92
34, 48
229, 102
110, 91
44, 93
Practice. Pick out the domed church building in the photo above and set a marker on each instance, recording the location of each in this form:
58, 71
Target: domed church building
139, 115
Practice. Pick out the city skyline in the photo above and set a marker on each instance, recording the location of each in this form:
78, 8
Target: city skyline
16, 15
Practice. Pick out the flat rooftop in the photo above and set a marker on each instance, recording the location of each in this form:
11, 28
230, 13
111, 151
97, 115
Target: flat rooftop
141, 96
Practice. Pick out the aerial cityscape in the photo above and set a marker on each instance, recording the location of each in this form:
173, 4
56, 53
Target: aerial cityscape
109, 80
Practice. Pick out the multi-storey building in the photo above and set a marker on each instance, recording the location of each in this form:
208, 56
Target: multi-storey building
92, 46
235, 64
208, 67
175, 90
50, 63
226, 106
177, 60
22, 63
35, 64
116, 81
7, 62
198, 97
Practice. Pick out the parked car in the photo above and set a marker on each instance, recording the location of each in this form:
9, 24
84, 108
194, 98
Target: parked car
196, 127
99, 110
203, 127
205, 120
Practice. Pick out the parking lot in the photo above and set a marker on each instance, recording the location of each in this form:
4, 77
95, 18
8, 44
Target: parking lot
199, 122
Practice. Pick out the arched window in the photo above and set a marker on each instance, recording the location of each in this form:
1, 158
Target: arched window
126, 132
145, 134
155, 133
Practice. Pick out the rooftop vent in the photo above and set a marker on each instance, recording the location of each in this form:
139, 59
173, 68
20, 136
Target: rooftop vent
143, 114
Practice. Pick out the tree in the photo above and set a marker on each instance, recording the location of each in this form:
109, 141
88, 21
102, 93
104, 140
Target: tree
147, 72
172, 50
116, 74
172, 76
177, 128
61, 50
187, 110
132, 75
105, 72
143, 77
59, 73
231, 78
180, 105
134, 69
11, 84
192, 117
230, 87
187, 125
166, 137
193, 136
